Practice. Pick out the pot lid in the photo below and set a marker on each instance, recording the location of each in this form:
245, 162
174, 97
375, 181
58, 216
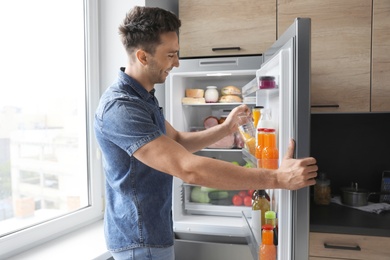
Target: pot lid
354, 188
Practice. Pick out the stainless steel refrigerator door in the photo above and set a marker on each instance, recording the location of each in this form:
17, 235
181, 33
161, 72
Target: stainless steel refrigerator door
289, 61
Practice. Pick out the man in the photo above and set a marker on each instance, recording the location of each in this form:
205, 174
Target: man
142, 152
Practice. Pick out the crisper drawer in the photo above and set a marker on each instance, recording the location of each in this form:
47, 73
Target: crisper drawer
339, 246
200, 200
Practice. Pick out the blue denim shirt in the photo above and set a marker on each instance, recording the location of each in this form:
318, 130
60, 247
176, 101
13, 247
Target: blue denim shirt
138, 198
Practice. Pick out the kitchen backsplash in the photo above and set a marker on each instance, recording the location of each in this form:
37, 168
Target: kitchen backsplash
352, 148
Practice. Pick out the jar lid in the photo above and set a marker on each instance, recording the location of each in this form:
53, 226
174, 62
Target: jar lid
269, 130
267, 78
211, 87
322, 180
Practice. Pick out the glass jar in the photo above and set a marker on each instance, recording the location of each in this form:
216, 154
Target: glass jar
267, 82
322, 191
211, 95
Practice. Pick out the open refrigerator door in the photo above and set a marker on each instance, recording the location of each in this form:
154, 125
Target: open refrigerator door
288, 61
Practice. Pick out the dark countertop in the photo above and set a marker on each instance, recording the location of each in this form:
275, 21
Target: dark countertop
335, 218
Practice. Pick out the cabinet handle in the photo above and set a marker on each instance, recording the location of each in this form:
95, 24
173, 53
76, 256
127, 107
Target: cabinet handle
330, 105
355, 248
226, 49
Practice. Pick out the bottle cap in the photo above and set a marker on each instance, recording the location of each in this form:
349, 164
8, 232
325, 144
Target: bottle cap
267, 227
270, 214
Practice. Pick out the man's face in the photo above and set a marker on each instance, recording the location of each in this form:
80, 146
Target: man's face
164, 58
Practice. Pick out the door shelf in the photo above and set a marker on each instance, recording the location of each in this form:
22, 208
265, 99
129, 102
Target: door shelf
249, 158
253, 243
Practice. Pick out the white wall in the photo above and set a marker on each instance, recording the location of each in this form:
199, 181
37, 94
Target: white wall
111, 51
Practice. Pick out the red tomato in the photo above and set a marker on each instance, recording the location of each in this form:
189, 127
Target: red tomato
250, 193
237, 200
248, 201
243, 193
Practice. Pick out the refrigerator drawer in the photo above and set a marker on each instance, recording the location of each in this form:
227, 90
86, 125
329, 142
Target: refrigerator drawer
212, 202
195, 250
340, 246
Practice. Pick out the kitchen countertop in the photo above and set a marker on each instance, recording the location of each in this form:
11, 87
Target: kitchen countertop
335, 218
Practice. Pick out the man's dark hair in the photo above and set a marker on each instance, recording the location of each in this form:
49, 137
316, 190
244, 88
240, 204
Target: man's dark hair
142, 27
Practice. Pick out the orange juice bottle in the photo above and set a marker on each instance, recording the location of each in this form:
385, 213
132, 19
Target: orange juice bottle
259, 145
270, 153
267, 249
256, 113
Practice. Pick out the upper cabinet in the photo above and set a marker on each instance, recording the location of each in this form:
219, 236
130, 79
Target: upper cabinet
341, 51
380, 82
226, 27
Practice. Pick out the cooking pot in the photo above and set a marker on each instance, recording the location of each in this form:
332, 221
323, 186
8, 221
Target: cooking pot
355, 196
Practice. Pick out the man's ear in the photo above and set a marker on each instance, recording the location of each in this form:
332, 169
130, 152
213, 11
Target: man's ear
141, 56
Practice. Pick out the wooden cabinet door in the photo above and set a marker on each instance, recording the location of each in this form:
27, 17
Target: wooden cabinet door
340, 246
340, 48
210, 26
380, 82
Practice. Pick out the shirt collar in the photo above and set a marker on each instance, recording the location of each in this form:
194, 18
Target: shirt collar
135, 85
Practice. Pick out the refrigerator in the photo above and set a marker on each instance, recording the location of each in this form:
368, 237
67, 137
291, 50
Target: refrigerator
288, 61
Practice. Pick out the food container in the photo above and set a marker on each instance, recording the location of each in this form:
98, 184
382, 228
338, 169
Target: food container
194, 92
267, 82
211, 95
322, 190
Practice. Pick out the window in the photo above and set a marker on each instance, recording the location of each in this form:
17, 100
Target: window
47, 98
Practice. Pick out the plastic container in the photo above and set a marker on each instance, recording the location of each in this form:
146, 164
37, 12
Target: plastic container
267, 82
270, 152
267, 250
211, 94
322, 190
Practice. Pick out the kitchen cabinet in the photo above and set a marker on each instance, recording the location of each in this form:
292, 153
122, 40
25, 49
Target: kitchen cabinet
341, 51
380, 81
226, 27
341, 246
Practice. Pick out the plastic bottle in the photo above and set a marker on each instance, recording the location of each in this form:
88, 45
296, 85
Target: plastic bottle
265, 120
270, 152
322, 191
270, 219
267, 247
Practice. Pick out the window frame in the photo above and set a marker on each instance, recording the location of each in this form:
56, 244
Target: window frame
33, 236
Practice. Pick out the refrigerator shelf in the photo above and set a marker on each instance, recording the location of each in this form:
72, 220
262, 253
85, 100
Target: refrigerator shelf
248, 157
218, 150
214, 104
215, 210
250, 88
